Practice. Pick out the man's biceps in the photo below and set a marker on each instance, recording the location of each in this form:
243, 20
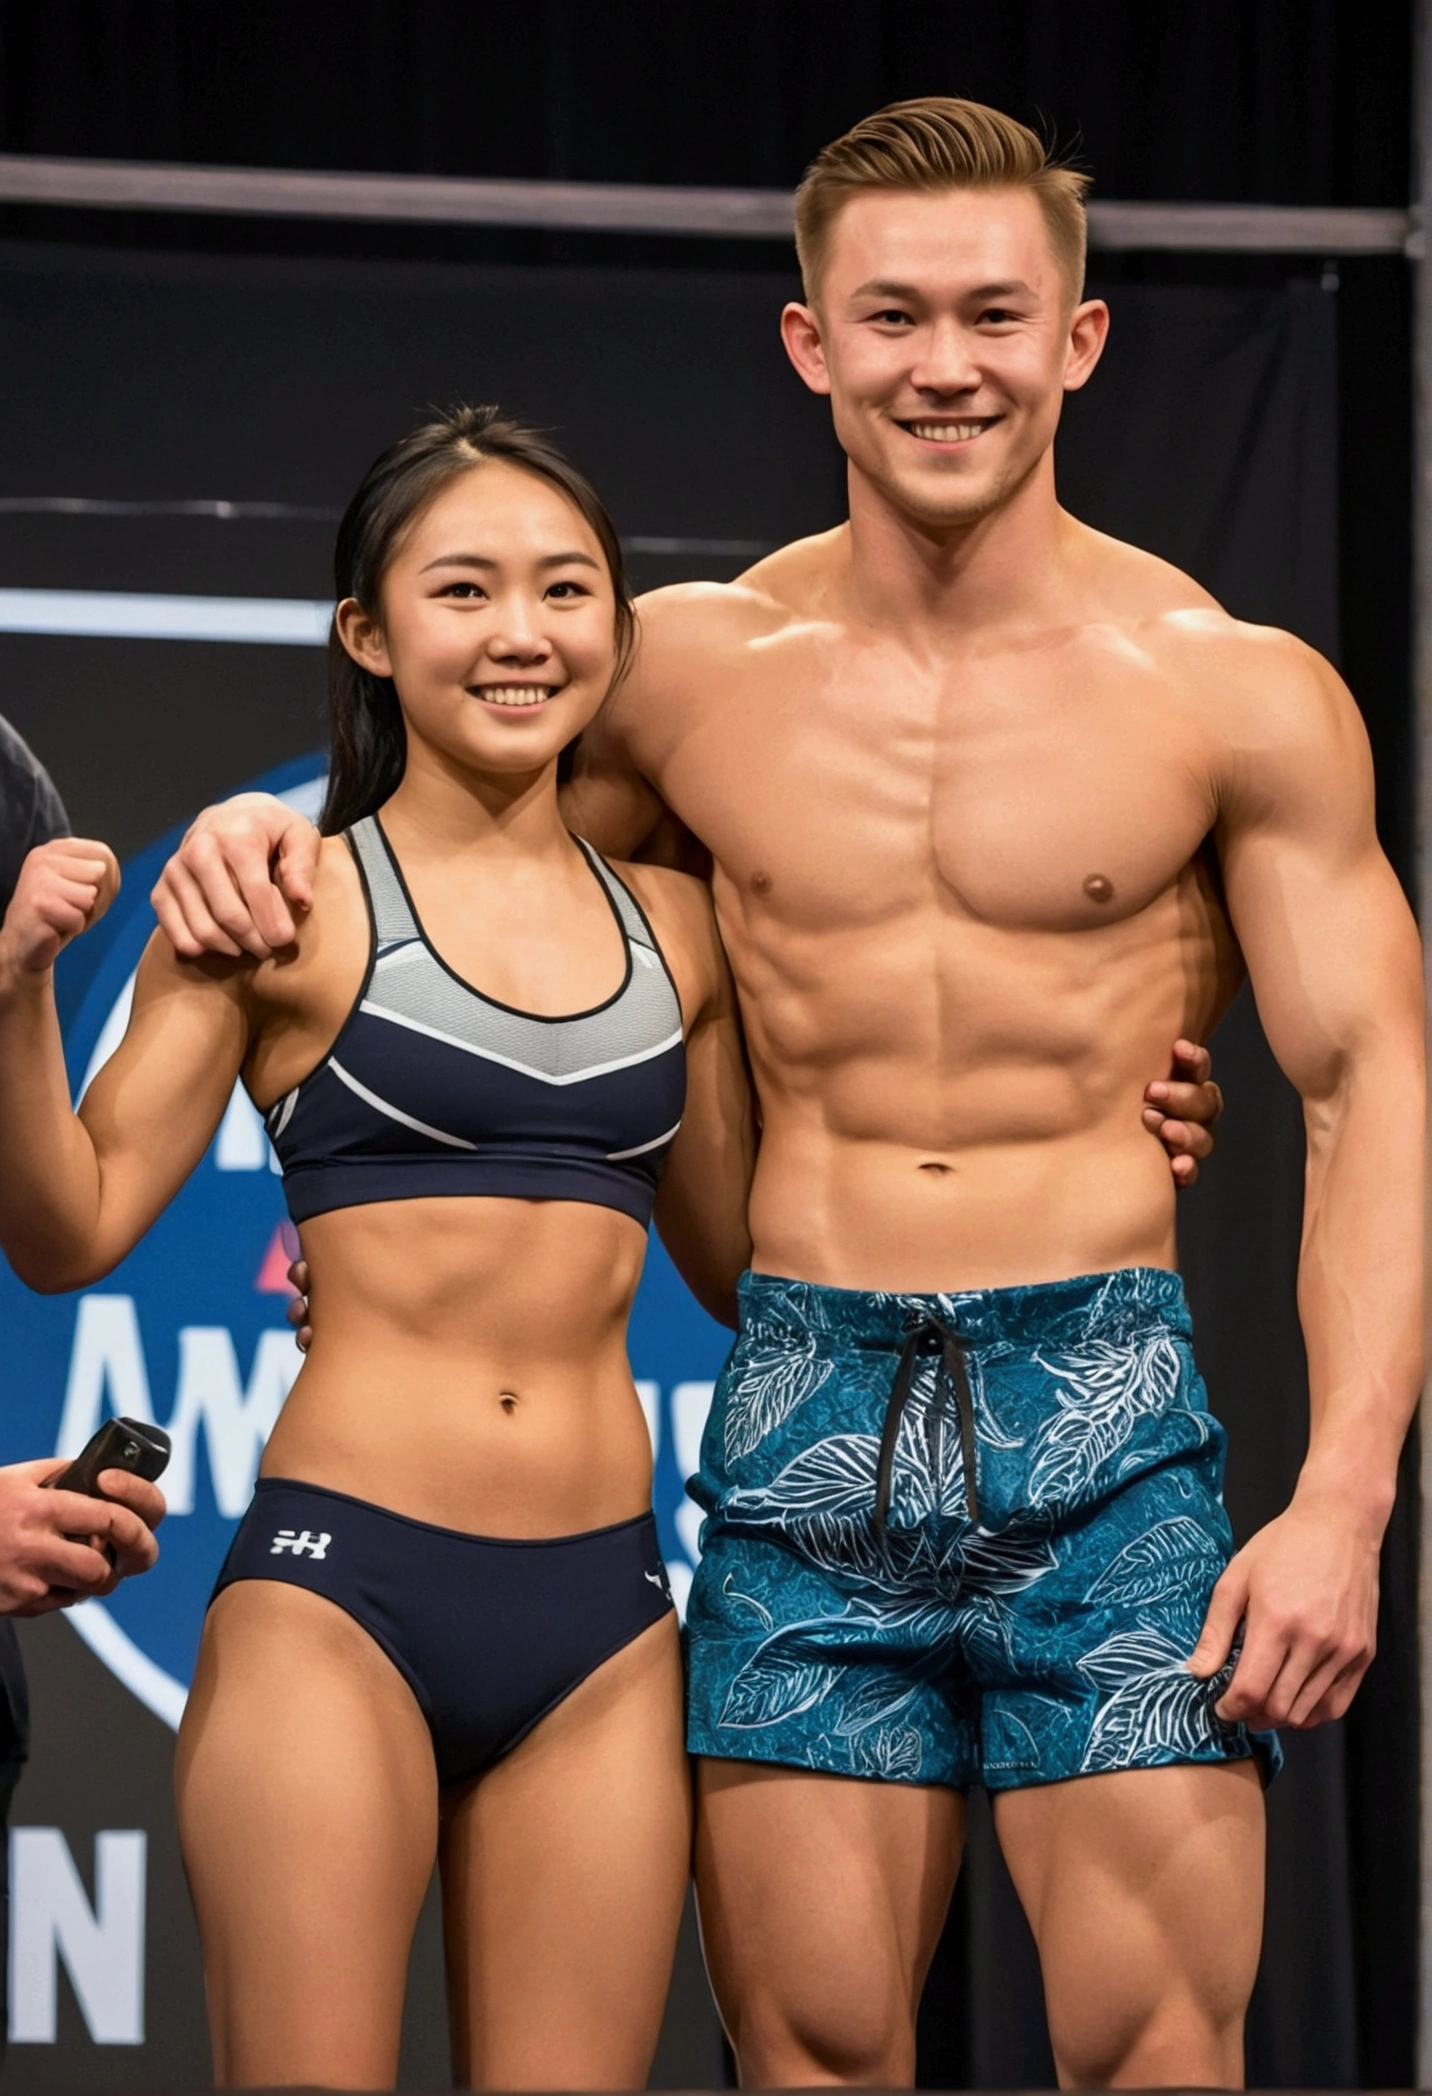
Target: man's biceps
1274, 865
1339, 986
1326, 920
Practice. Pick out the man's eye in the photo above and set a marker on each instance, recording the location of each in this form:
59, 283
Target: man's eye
997, 316
892, 317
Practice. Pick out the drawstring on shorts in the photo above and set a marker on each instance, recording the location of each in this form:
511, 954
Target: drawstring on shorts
929, 1338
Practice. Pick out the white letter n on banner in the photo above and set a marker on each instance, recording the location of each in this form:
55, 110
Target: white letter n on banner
103, 1947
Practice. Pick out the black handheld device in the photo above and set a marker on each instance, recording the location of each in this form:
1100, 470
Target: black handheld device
120, 1444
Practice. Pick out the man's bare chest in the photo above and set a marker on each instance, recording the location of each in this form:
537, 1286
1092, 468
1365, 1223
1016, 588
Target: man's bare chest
1006, 794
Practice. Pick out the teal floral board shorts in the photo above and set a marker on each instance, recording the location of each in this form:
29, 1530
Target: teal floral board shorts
961, 1538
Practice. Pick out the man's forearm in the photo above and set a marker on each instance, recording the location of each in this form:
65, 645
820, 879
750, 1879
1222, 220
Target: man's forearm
1360, 1282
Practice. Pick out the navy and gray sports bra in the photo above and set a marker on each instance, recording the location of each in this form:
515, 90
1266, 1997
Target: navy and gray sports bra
432, 1088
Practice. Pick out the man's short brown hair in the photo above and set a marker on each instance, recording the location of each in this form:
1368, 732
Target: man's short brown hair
940, 143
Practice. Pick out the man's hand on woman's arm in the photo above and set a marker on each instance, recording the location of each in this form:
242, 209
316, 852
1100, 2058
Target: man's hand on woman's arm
240, 881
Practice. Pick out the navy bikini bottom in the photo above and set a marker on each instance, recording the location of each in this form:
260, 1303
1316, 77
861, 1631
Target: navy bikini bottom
489, 1632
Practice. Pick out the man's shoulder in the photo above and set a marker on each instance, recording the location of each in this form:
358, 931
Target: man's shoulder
694, 613
1242, 665
1184, 629
764, 598
1274, 719
1130, 583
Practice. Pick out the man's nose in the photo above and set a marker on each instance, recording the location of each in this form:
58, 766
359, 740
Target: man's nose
947, 362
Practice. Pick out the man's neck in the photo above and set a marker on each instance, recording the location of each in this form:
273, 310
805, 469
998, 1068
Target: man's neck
936, 584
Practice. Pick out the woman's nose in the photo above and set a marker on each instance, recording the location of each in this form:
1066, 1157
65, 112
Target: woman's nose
518, 632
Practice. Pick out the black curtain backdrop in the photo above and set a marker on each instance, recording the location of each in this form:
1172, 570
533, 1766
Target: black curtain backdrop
1251, 422
1294, 101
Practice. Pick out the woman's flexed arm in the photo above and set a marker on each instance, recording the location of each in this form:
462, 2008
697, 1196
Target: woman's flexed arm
77, 1192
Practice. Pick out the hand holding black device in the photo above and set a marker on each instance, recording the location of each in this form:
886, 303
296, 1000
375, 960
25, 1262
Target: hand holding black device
120, 1444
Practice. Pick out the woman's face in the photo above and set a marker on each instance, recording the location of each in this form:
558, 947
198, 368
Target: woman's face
495, 622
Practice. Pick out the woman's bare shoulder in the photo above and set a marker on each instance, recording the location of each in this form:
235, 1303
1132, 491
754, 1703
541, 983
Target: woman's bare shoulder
664, 892
333, 933
678, 907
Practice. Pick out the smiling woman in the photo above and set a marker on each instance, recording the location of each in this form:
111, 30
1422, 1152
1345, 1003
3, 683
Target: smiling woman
368, 739
478, 1052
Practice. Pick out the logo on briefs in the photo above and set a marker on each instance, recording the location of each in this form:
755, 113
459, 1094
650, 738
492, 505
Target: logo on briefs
190, 1332
298, 1542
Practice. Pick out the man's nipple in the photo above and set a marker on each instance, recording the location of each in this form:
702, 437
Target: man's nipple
760, 882
1098, 887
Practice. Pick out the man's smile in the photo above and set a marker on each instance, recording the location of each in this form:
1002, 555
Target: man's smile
949, 430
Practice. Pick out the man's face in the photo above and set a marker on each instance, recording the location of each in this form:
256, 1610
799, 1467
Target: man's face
943, 332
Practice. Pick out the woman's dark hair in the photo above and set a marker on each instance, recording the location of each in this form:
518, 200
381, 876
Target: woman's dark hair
368, 744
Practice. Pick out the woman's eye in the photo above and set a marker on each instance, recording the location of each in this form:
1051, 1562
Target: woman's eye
464, 590
566, 590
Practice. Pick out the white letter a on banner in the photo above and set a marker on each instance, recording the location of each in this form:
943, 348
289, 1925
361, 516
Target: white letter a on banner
106, 1364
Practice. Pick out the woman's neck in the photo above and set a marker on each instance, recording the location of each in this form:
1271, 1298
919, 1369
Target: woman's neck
441, 809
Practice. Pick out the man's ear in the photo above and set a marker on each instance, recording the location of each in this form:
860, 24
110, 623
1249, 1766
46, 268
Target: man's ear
362, 636
1088, 332
800, 331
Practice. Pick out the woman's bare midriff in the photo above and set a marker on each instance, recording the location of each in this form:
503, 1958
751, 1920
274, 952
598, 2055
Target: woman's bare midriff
469, 1365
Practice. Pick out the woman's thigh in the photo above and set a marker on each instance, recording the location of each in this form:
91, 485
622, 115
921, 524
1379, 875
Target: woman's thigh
564, 1872
308, 1818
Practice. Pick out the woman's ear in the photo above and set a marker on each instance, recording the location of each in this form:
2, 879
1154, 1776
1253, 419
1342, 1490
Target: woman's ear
362, 636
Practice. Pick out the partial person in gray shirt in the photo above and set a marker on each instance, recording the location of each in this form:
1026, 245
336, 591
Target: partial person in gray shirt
41, 1567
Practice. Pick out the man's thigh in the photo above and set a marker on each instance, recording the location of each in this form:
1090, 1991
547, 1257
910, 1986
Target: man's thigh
1144, 1889
821, 1898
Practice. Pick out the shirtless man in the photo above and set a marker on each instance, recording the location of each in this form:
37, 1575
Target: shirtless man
995, 804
